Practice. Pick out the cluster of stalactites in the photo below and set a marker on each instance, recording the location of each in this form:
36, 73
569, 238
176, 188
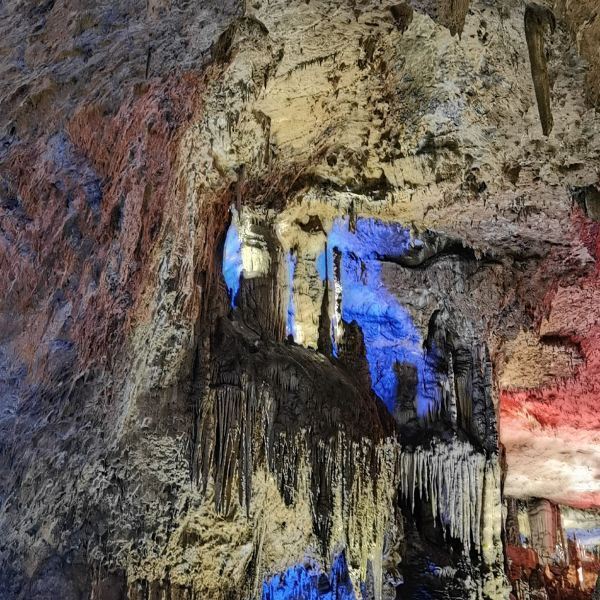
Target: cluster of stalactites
451, 478
243, 426
242, 434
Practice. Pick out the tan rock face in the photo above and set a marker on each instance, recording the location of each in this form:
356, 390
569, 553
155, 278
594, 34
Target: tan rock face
530, 363
418, 259
584, 24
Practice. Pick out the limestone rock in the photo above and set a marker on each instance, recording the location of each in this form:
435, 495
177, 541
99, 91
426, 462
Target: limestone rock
298, 296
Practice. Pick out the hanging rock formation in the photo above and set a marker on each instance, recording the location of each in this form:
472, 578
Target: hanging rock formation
537, 20
299, 300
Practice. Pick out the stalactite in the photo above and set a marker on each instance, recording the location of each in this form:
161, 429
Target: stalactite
325, 343
451, 404
450, 477
336, 317
403, 15
537, 18
262, 411
452, 14
513, 534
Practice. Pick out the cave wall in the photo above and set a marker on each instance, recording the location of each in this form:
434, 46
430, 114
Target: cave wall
295, 295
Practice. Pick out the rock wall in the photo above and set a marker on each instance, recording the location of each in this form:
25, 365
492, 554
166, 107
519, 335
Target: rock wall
293, 294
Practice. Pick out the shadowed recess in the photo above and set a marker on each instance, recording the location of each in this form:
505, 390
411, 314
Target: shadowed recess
309, 582
232, 262
291, 309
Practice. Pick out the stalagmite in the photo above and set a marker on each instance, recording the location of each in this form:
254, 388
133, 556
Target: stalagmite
545, 529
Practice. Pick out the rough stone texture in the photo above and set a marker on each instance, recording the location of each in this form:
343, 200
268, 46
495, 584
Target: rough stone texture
547, 549
158, 442
583, 21
538, 20
562, 414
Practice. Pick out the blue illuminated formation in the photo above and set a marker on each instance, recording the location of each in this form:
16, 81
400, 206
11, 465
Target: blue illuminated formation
232, 262
321, 263
390, 335
309, 582
291, 309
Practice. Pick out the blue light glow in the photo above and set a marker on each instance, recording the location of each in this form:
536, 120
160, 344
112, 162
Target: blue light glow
232, 262
309, 582
292, 260
389, 332
321, 263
